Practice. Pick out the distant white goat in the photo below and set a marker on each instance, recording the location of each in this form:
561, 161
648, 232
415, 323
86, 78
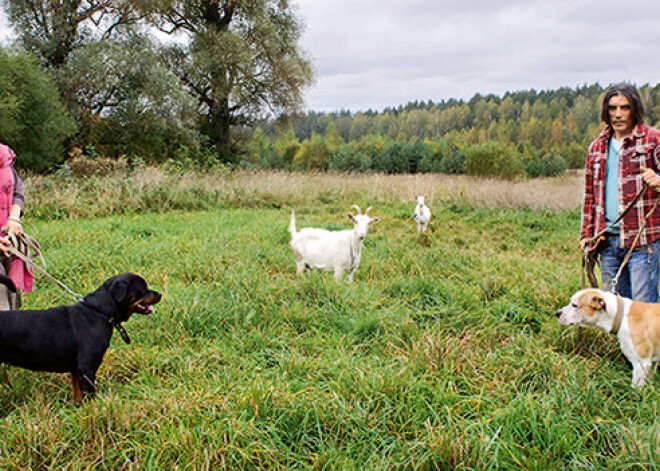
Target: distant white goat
339, 251
422, 215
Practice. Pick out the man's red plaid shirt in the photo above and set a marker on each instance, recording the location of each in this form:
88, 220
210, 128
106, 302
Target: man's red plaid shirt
641, 149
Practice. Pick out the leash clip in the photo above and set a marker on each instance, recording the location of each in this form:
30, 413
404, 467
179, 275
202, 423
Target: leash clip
611, 286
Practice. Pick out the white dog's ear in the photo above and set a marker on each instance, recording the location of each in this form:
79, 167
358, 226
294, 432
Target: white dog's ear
597, 302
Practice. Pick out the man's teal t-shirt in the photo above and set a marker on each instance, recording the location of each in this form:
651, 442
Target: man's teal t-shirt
612, 184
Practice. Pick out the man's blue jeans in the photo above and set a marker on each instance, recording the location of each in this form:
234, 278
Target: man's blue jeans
640, 277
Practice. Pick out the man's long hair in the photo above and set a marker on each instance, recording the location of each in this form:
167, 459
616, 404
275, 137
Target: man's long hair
631, 93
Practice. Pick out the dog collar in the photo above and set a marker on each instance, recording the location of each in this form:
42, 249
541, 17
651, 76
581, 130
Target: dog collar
111, 321
122, 331
619, 315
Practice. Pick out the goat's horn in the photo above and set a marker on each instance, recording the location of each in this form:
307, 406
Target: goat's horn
366, 213
357, 208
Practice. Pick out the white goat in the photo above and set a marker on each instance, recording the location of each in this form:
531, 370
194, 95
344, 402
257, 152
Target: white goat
339, 251
422, 215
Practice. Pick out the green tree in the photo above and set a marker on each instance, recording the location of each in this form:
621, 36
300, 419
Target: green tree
313, 154
52, 30
127, 101
287, 146
584, 113
360, 126
34, 122
351, 158
332, 138
242, 59
262, 153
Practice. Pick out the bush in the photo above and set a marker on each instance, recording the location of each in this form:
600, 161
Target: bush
81, 166
350, 158
394, 158
431, 161
493, 159
548, 166
453, 163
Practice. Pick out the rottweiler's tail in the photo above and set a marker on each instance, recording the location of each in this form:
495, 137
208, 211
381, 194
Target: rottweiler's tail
5, 280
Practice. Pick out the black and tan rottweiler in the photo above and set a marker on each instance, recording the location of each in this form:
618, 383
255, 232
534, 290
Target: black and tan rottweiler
73, 339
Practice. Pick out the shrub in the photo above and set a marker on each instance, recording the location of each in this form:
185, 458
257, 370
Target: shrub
453, 163
350, 158
81, 166
431, 161
393, 159
493, 159
549, 166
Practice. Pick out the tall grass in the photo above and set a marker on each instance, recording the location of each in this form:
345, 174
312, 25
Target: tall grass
444, 354
61, 196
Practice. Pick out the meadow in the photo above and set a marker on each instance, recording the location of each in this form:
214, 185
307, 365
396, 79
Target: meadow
444, 353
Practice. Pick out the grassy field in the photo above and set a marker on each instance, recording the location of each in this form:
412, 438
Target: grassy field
443, 354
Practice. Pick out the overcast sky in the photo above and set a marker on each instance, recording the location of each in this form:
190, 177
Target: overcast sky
379, 53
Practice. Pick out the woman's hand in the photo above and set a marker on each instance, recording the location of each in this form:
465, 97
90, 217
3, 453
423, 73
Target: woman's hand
4, 245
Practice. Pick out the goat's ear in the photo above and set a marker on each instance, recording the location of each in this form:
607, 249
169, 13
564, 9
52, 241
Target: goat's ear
351, 217
374, 220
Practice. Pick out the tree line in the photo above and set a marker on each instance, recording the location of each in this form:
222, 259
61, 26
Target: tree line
532, 133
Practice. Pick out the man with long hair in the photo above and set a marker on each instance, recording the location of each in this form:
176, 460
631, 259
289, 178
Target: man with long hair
623, 157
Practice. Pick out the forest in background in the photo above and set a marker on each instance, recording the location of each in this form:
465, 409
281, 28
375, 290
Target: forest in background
523, 133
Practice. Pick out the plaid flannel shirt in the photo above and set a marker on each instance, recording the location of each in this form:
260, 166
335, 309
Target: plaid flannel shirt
640, 149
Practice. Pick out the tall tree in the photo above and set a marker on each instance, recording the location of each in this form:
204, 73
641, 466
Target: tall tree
33, 121
241, 59
53, 29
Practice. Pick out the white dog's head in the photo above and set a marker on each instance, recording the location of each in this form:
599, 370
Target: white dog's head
587, 308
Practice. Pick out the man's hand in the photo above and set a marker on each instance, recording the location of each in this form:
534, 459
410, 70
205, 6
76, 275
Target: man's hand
584, 242
651, 178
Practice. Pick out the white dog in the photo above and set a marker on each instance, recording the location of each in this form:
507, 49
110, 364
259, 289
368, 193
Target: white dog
422, 215
636, 325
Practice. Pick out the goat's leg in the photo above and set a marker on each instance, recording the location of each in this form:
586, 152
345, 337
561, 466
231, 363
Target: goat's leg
338, 273
425, 226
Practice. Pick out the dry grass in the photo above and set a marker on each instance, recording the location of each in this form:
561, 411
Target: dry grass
156, 189
549, 194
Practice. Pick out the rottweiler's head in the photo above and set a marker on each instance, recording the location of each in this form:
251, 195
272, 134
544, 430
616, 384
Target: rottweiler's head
122, 295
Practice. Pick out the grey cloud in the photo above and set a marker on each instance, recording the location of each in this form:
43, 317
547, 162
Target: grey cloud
374, 54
